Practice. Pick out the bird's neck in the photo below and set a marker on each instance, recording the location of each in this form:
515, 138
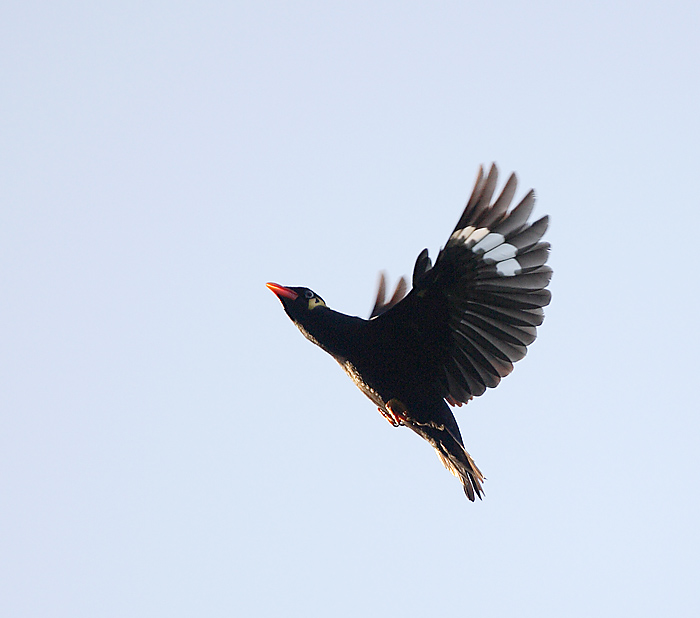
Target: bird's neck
332, 331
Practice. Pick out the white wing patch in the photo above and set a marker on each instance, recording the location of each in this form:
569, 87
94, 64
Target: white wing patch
497, 251
477, 235
500, 253
492, 245
468, 235
489, 242
463, 234
508, 268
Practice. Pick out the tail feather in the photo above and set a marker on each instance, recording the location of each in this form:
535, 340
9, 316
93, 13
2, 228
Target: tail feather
460, 463
453, 456
433, 421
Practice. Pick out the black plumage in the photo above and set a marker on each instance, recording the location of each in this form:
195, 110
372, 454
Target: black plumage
459, 330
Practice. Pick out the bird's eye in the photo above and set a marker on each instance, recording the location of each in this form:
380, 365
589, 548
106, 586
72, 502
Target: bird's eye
308, 294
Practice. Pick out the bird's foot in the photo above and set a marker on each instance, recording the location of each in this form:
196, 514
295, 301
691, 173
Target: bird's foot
395, 412
389, 417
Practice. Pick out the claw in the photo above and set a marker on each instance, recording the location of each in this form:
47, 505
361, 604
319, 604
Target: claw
395, 412
389, 417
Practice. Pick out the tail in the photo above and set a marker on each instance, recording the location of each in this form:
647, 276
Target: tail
437, 425
452, 454
456, 459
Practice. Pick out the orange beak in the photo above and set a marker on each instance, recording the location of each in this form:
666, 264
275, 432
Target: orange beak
280, 290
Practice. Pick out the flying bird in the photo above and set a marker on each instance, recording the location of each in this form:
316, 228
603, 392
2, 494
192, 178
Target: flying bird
459, 330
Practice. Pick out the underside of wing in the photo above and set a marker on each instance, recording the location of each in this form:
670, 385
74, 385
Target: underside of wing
496, 287
482, 300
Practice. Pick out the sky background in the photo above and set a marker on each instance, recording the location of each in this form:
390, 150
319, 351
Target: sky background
170, 444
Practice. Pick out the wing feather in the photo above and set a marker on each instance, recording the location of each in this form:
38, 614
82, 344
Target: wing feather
474, 312
381, 305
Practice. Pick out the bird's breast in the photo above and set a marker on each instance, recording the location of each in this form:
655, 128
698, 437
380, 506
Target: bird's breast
361, 381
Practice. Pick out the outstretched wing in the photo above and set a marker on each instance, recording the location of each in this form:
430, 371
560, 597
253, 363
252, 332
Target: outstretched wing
475, 311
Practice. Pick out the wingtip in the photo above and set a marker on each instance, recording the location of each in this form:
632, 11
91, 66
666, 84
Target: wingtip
381, 305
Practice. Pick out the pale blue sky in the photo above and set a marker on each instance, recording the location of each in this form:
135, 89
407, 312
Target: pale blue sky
171, 445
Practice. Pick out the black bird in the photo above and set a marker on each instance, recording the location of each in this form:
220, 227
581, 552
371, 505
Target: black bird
466, 321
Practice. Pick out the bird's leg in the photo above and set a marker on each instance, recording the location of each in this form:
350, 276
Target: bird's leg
389, 417
395, 412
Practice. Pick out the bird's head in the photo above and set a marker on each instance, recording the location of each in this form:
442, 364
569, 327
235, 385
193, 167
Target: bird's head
299, 303
326, 328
